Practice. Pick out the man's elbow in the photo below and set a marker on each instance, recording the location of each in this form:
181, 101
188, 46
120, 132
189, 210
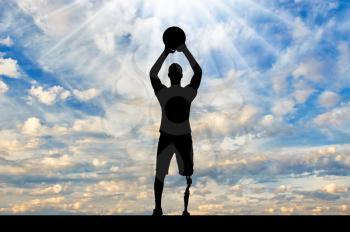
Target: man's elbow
152, 74
198, 70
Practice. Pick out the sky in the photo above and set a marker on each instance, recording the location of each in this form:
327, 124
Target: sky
79, 120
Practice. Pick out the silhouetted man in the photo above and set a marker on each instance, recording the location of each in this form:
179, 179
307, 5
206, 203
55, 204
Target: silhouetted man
175, 131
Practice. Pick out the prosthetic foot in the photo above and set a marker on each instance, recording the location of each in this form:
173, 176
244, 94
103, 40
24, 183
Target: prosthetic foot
157, 212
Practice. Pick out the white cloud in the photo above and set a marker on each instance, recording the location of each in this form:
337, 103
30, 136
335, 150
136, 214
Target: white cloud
327, 150
217, 122
302, 91
86, 95
55, 189
248, 113
267, 120
98, 162
106, 42
333, 188
13, 143
211, 207
300, 31
50, 96
336, 117
301, 96
216, 35
32, 126
344, 208
279, 84
287, 209
35, 204
62, 19
225, 122
282, 189
3, 87
283, 106
60, 162
9, 67
91, 124
310, 70
328, 99
343, 65
107, 187
6, 41
320, 209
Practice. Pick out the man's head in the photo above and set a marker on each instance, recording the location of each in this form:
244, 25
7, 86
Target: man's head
175, 73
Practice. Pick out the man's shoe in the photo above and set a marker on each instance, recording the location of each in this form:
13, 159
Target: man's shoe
157, 212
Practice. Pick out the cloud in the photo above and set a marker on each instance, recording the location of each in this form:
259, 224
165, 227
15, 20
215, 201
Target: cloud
269, 164
333, 188
3, 87
9, 67
282, 189
344, 208
320, 209
287, 210
55, 189
343, 64
55, 162
267, 120
328, 99
6, 41
14, 144
98, 162
49, 96
86, 95
90, 124
221, 123
302, 92
311, 70
248, 113
211, 207
279, 84
13, 170
36, 204
300, 30
283, 106
32, 126
336, 117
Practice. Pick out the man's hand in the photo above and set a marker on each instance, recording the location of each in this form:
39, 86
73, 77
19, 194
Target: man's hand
181, 48
168, 50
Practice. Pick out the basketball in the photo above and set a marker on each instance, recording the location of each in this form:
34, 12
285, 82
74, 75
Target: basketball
174, 37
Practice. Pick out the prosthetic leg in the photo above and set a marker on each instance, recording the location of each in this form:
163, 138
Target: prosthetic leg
187, 196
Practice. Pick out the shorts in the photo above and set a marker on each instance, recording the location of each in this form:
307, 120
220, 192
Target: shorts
181, 145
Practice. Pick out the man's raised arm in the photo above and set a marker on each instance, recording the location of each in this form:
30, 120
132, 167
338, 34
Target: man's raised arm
156, 83
196, 79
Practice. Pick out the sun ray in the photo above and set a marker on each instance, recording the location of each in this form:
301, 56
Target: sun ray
68, 37
73, 33
242, 22
231, 47
268, 12
261, 39
57, 11
245, 25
